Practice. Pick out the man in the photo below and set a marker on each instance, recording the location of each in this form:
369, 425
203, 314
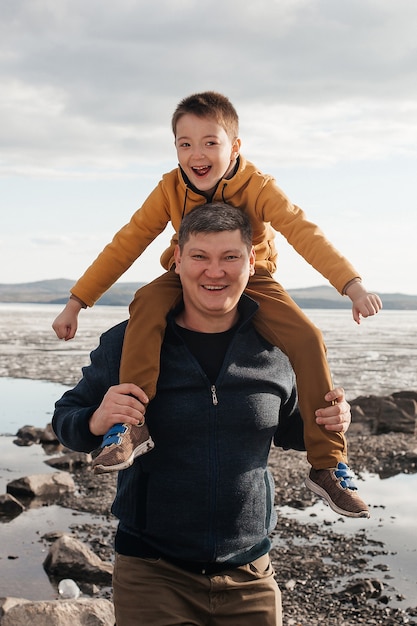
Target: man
195, 513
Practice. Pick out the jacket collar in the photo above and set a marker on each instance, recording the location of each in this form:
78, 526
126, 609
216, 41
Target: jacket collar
247, 308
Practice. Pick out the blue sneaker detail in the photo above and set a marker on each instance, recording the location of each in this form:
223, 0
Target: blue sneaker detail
114, 435
345, 476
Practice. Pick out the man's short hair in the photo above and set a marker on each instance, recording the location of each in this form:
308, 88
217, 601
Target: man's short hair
215, 217
209, 104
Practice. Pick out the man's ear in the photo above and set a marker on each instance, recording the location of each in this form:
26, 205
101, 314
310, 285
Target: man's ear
252, 259
177, 258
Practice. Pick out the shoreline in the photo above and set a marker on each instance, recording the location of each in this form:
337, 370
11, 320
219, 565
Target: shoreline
314, 562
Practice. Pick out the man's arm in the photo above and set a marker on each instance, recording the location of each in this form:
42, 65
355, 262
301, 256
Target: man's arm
73, 412
290, 432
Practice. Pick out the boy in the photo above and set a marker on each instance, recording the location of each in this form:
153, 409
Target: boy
205, 128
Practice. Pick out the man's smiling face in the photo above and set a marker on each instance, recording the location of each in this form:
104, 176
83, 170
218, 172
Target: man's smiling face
214, 269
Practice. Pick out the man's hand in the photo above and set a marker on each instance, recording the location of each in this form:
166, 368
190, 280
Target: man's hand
337, 417
122, 404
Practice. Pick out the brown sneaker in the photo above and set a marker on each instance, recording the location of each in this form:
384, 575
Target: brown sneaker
338, 489
121, 445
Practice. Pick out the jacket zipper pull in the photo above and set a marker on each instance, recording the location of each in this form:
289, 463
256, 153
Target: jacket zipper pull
214, 395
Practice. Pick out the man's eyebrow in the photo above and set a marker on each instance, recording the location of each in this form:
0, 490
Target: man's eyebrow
228, 251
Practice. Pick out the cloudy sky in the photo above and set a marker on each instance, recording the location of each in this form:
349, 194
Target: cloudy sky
326, 93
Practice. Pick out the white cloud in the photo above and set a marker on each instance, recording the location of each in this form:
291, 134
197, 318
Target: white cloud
326, 92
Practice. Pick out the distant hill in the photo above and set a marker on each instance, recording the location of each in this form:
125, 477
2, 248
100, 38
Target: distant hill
56, 292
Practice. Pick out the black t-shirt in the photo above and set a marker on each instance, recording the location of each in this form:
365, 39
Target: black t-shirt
208, 348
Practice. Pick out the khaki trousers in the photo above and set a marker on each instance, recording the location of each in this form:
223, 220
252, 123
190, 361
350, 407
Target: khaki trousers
152, 592
279, 320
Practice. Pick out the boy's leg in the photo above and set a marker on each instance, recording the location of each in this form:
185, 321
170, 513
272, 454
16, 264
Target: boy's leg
145, 331
140, 365
283, 324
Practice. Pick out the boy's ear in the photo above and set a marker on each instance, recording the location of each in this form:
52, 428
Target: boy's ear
236, 148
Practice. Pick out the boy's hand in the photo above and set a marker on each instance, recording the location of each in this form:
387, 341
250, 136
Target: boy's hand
65, 325
365, 306
337, 417
364, 303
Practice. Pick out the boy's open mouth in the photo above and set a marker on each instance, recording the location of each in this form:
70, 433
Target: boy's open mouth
201, 171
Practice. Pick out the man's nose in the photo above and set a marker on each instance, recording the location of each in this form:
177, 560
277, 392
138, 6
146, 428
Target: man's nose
214, 269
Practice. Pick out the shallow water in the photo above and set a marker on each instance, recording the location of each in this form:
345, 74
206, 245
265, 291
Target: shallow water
393, 510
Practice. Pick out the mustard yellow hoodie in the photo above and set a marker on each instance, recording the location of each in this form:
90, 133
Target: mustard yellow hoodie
256, 193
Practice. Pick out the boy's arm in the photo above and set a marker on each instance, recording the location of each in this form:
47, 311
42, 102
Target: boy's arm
364, 303
125, 248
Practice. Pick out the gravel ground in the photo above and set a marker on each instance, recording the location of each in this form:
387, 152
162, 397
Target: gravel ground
314, 576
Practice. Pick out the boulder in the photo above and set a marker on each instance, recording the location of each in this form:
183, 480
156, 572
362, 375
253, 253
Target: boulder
28, 435
10, 507
70, 558
47, 486
384, 414
80, 612
70, 461
48, 435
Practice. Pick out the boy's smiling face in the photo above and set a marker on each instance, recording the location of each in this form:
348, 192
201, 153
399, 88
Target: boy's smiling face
205, 151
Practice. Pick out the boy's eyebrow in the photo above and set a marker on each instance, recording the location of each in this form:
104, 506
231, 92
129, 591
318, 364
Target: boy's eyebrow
211, 136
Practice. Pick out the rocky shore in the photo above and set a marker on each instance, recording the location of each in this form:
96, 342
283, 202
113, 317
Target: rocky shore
324, 578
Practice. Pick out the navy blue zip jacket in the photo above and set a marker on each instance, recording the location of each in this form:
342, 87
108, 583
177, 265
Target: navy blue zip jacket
204, 493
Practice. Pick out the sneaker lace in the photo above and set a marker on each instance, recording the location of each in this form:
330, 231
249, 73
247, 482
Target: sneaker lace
114, 435
345, 476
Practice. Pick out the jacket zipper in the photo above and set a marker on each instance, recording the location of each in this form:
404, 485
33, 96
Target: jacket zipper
214, 395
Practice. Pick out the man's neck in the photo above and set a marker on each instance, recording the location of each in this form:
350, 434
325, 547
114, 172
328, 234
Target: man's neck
207, 324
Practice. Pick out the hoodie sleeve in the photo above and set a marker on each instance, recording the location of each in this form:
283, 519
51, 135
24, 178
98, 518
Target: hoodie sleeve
73, 411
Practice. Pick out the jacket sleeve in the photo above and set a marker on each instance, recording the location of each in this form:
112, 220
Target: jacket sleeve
305, 236
126, 246
73, 411
290, 431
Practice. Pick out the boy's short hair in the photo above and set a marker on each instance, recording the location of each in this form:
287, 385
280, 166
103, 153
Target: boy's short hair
215, 217
212, 105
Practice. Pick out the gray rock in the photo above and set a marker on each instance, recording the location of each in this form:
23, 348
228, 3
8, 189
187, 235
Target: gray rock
70, 558
70, 461
42, 485
81, 612
27, 435
9, 506
384, 414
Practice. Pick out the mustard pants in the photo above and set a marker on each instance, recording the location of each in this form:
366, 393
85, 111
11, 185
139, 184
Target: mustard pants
279, 320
